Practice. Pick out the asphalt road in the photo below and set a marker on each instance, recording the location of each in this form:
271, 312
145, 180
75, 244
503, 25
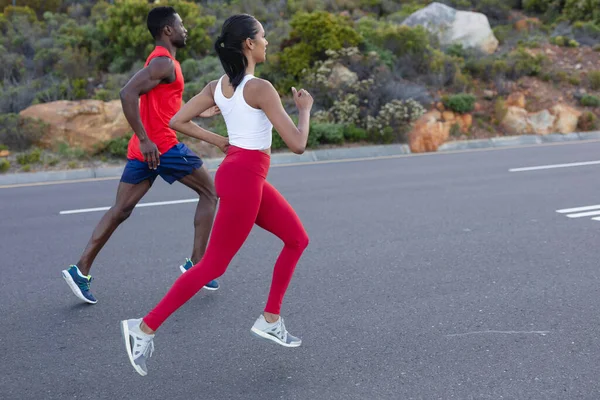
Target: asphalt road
427, 277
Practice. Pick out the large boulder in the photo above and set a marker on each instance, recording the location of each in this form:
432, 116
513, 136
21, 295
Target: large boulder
542, 123
428, 133
567, 118
83, 124
469, 29
515, 121
558, 119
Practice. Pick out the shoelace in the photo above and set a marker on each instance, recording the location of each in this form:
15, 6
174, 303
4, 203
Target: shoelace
284, 332
85, 285
149, 350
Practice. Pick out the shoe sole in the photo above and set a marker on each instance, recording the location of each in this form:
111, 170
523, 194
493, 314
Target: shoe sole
261, 335
183, 270
125, 335
74, 288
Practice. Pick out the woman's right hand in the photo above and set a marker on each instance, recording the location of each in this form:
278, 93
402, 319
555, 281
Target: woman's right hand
303, 99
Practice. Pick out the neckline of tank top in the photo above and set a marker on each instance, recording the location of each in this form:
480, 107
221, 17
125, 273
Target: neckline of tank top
220, 85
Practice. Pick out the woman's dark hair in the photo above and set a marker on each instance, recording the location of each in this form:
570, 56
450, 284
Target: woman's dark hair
230, 45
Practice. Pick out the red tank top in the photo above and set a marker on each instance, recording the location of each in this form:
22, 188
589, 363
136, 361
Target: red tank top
157, 107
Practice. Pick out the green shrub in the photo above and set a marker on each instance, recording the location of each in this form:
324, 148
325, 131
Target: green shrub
588, 122
353, 133
582, 10
328, 133
503, 32
32, 157
70, 152
26, 168
4, 165
500, 110
312, 34
574, 80
116, 147
461, 103
536, 6
559, 41
522, 63
402, 40
20, 133
594, 78
590, 101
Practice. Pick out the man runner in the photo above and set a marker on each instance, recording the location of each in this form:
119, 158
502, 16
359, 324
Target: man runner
150, 99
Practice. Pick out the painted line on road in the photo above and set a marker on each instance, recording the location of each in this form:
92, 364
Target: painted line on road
581, 212
584, 214
553, 166
578, 209
154, 204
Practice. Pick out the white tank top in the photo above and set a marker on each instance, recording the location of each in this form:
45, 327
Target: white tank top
247, 127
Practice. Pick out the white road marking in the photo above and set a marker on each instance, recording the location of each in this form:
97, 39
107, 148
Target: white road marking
553, 166
157, 203
578, 209
584, 214
580, 212
542, 333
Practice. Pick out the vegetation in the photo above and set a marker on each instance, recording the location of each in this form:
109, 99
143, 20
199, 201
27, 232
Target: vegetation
371, 76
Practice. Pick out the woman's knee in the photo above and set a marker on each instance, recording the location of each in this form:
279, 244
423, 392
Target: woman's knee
300, 240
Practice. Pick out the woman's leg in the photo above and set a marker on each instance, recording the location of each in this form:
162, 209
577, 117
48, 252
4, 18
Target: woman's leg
278, 217
240, 195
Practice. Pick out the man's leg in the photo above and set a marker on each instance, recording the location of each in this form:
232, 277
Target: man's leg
128, 195
201, 182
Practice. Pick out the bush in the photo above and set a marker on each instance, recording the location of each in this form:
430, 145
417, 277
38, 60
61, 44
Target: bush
116, 147
312, 34
327, 133
4, 165
594, 78
588, 122
460, 103
523, 63
32, 157
582, 10
353, 133
20, 133
500, 110
394, 120
590, 101
574, 80
38, 6
536, 6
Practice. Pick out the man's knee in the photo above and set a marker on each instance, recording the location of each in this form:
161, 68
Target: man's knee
120, 213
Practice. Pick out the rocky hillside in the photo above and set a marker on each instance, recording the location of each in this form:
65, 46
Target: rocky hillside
382, 71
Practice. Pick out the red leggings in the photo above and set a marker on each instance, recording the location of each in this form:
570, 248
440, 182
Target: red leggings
246, 198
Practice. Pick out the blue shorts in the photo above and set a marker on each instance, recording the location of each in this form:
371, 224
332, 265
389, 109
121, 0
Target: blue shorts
175, 164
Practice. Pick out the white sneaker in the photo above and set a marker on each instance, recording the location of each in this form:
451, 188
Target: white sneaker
275, 332
139, 345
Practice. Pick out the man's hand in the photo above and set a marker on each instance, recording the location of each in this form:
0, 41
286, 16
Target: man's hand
224, 145
211, 112
150, 152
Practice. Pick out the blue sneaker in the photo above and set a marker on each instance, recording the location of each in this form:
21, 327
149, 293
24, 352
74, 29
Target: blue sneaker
212, 285
79, 284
